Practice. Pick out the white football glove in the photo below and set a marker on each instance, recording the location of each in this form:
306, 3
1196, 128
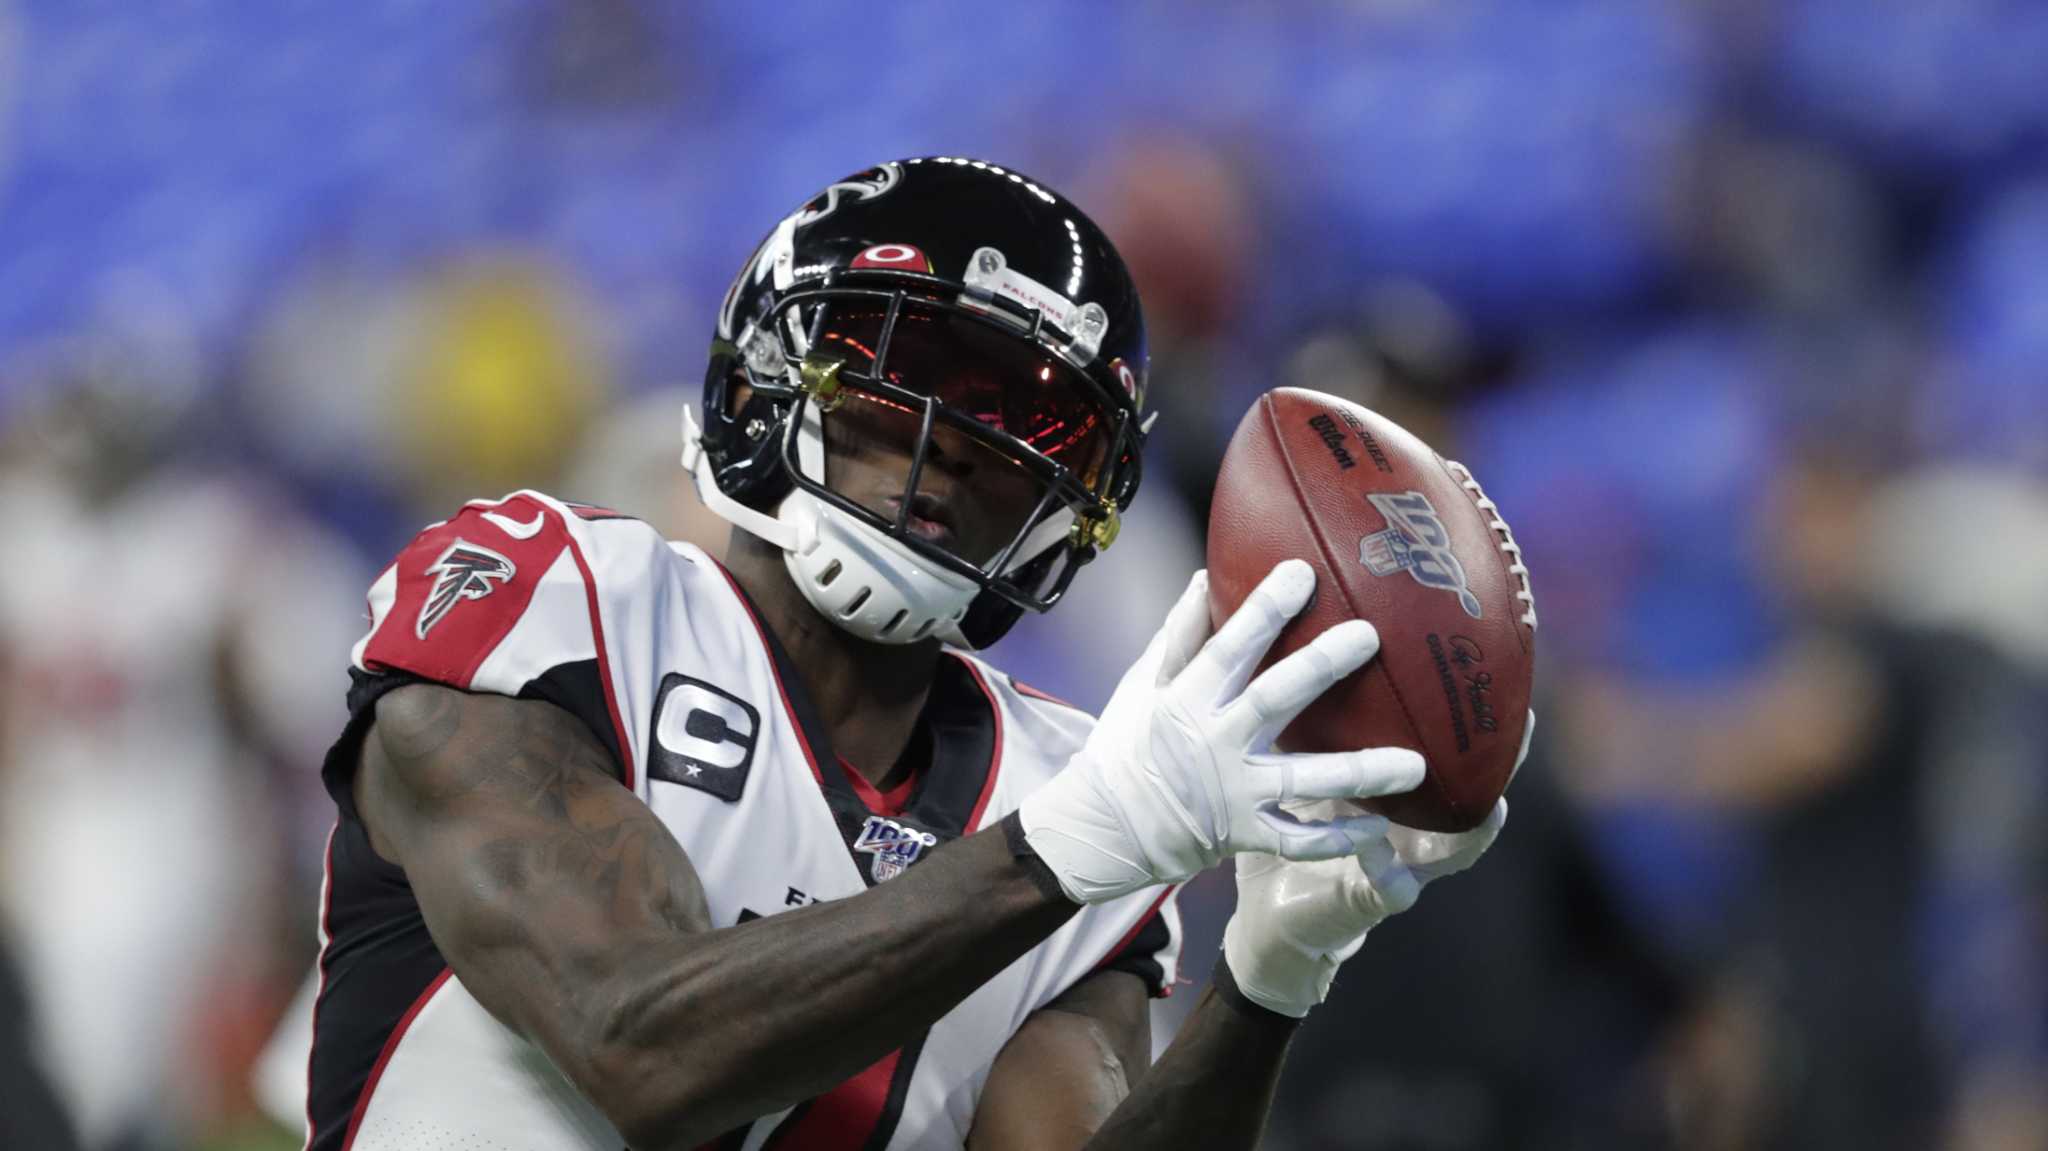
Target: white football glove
1297, 922
1175, 775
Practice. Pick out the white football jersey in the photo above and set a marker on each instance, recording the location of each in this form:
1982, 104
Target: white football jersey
656, 649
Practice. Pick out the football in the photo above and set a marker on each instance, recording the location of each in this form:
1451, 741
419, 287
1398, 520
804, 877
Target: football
1405, 539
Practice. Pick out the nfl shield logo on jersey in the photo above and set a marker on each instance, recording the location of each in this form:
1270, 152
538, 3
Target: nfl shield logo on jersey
893, 845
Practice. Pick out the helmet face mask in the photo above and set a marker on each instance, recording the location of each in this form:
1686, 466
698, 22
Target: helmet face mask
977, 422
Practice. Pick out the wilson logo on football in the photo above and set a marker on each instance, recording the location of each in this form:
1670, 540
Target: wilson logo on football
464, 571
1415, 542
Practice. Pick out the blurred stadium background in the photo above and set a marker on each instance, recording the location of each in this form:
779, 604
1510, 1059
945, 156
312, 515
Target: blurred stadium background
1738, 307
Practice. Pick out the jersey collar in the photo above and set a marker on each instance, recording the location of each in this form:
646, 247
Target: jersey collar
961, 724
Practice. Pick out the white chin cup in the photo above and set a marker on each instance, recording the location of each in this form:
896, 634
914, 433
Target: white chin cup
866, 582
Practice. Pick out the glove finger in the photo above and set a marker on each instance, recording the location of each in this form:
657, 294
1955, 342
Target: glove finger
1166, 653
1283, 690
1219, 670
1339, 920
1185, 630
1302, 840
1457, 852
1528, 733
1375, 859
1341, 774
1388, 887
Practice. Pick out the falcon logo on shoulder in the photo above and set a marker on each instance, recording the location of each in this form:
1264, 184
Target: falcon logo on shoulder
464, 571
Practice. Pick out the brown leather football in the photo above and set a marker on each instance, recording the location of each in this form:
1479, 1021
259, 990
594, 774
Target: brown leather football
1405, 539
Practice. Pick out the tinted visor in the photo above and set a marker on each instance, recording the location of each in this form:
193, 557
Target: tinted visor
970, 499
978, 368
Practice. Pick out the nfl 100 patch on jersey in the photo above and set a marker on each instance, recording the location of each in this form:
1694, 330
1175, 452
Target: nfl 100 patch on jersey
893, 846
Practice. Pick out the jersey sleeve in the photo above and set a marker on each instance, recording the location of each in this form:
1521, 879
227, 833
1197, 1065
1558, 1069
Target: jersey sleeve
511, 597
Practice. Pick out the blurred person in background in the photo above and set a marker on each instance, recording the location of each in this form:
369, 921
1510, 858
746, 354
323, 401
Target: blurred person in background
628, 462
1829, 809
385, 395
1895, 772
153, 701
498, 386
31, 1114
1182, 210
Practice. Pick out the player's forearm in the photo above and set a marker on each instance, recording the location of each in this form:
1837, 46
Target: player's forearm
738, 1023
570, 912
1212, 1087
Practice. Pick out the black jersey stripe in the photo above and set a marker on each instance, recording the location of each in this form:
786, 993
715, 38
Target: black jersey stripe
899, 1090
320, 965
579, 688
1138, 952
384, 1053
811, 731
622, 746
840, 1119
377, 967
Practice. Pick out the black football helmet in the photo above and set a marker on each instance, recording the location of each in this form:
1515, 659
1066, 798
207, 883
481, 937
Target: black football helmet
955, 302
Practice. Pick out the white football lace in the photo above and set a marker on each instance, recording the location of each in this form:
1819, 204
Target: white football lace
1513, 550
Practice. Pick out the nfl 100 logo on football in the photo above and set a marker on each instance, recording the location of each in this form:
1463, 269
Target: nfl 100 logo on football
1415, 542
893, 845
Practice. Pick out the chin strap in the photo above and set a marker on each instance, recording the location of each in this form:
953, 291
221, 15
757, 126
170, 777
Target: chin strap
1051, 530
810, 441
698, 464
854, 575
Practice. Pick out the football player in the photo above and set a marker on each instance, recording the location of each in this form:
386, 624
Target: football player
637, 848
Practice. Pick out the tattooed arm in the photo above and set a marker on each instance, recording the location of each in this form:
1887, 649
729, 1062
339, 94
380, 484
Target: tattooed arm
569, 912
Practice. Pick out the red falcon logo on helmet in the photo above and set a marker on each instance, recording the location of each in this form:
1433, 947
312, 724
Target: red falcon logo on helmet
464, 571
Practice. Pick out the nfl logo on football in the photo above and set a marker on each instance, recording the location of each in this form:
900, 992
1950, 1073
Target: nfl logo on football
1415, 541
893, 845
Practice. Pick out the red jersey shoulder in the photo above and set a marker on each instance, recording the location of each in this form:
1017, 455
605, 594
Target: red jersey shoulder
461, 586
